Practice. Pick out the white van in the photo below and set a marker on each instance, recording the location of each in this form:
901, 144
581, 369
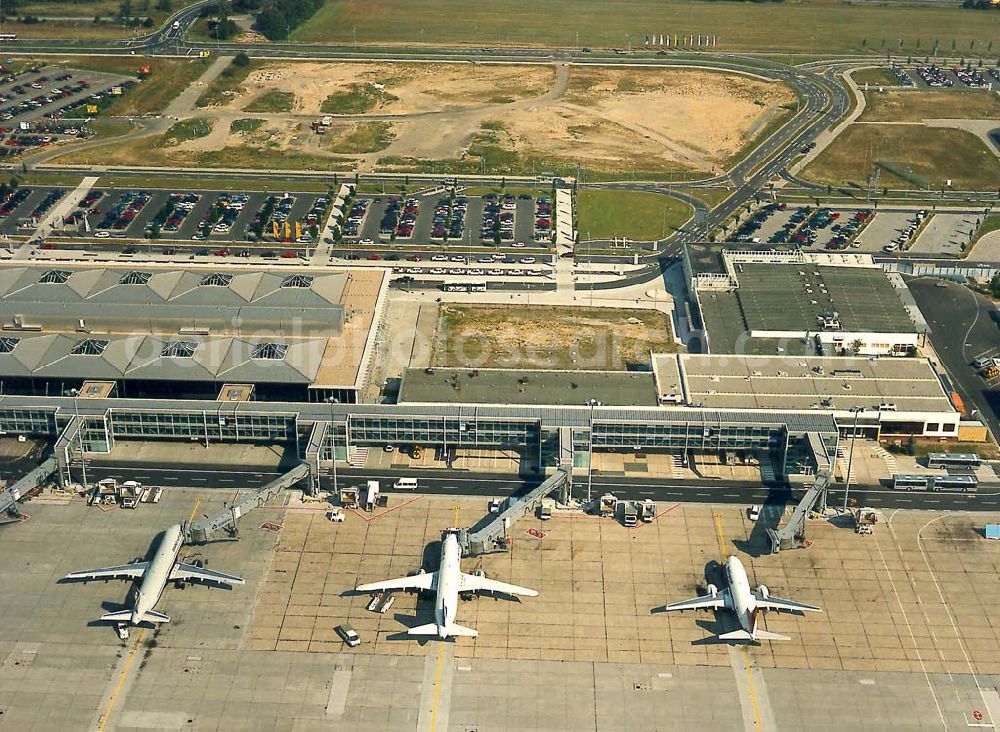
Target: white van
405, 484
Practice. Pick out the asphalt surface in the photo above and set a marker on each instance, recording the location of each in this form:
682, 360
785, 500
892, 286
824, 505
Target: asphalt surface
497, 485
961, 330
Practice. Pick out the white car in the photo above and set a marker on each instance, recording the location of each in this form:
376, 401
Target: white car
519, 245
335, 515
439, 258
366, 242
753, 513
527, 260
102, 234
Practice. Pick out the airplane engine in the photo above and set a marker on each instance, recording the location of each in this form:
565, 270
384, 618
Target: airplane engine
713, 590
763, 591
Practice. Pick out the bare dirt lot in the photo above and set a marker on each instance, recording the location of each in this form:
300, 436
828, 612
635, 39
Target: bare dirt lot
549, 337
499, 118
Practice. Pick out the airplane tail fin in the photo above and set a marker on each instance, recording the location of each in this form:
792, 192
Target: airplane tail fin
756, 635
768, 635
124, 616
450, 630
429, 629
735, 635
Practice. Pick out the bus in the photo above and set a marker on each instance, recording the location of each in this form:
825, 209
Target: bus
951, 460
8, 36
959, 483
464, 287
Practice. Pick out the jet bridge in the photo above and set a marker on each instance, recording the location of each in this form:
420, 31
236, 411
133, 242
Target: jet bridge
490, 534
793, 535
9, 498
227, 519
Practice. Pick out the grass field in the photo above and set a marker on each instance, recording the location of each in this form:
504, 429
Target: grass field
169, 78
74, 21
272, 101
245, 124
926, 157
363, 137
914, 106
188, 129
357, 99
810, 27
874, 77
640, 216
225, 84
517, 336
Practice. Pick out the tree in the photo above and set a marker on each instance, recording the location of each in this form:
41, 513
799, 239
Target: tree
241, 60
165, 6
125, 9
272, 24
995, 286
147, 23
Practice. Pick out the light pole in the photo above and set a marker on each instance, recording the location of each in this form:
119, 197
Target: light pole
850, 454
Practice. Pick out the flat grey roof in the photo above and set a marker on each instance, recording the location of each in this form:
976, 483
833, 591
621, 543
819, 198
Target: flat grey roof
797, 382
790, 297
502, 386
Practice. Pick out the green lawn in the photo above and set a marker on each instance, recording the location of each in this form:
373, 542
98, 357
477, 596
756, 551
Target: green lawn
809, 27
272, 101
911, 156
990, 224
641, 216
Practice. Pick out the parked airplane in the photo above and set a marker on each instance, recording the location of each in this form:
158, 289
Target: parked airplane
447, 582
743, 602
155, 574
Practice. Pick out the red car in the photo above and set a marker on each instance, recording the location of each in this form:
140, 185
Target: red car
289, 254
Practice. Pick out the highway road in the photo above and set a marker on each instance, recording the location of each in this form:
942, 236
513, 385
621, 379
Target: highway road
440, 482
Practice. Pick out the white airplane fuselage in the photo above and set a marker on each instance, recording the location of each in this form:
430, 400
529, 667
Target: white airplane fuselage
157, 574
744, 604
449, 579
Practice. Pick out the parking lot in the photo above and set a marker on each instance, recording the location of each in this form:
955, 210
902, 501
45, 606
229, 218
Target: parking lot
440, 220
223, 223
39, 108
945, 234
884, 228
803, 226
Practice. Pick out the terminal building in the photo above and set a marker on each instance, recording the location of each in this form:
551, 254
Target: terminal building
184, 333
812, 304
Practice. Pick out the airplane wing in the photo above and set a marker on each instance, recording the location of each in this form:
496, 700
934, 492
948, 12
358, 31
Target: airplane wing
126, 571
768, 602
425, 581
472, 583
704, 602
190, 573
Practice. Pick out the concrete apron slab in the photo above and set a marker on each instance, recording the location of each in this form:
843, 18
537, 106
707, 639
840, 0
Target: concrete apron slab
435, 689
754, 700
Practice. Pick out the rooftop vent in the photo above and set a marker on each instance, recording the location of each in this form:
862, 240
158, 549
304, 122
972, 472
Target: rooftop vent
269, 351
90, 347
297, 280
135, 278
8, 344
179, 349
54, 277
216, 279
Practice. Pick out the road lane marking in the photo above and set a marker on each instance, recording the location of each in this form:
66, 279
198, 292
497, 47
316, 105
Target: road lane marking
753, 692
194, 510
437, 683
121, 682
